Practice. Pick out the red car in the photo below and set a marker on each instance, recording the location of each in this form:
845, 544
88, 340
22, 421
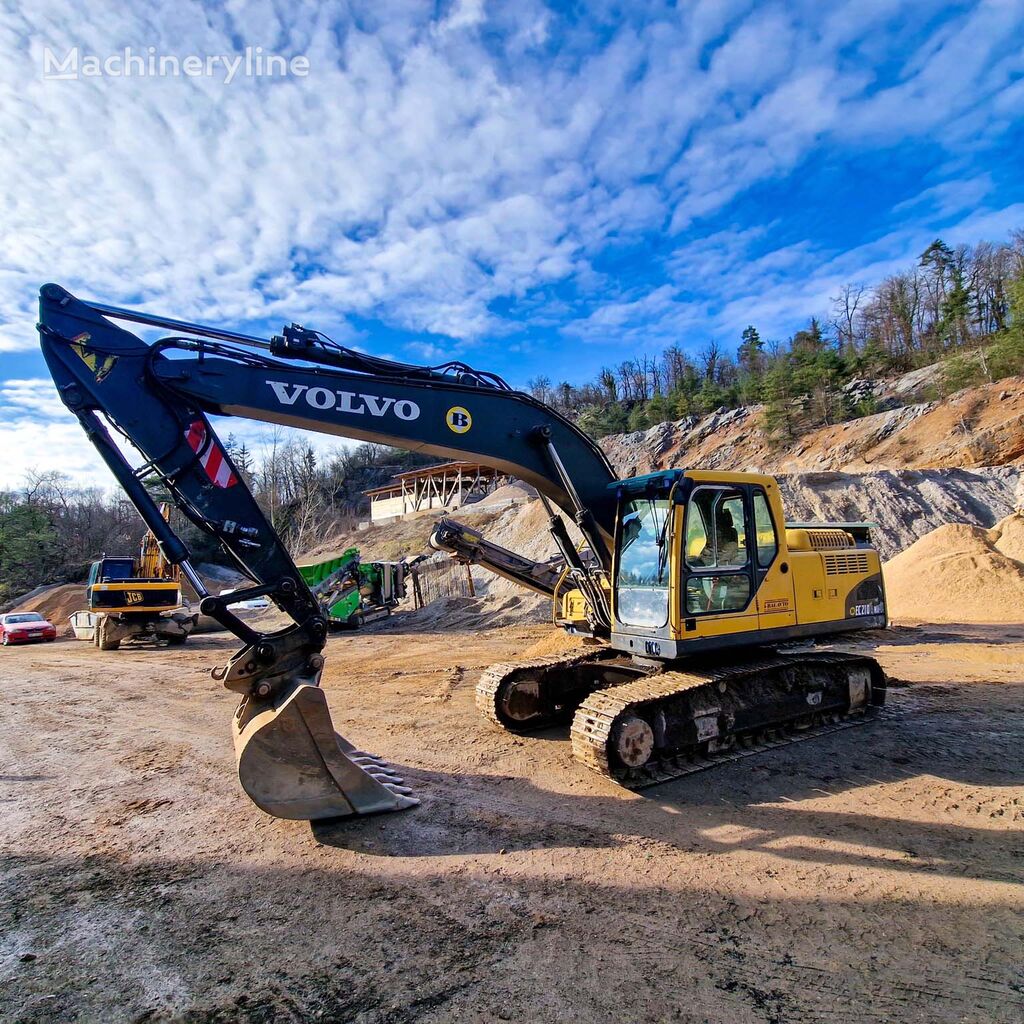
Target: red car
24, 627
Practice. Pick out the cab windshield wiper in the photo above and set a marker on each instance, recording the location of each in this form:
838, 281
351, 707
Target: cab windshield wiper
662, 545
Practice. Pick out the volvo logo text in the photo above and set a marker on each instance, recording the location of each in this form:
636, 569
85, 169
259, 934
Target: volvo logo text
351, 402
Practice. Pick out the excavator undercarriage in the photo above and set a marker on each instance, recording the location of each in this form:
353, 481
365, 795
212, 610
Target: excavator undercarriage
642, 723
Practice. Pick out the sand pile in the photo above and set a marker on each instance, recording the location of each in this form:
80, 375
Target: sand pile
959, 573
1008, 537
472, 613
56, 604
515, 493
556, 642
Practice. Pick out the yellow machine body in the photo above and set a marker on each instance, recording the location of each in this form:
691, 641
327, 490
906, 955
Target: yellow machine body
781, 582
134, 596
123, 586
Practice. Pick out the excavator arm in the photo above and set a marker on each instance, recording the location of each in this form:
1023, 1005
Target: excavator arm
157, 397
470, 546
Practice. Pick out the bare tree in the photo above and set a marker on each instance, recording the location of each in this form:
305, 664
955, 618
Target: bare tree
540, 388
710, 357
844, 314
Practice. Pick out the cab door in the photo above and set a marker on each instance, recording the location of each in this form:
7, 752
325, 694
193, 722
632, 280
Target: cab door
776, 607
94, 571
718, 564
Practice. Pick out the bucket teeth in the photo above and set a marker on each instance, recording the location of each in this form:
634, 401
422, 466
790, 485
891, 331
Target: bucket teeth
363, 759
368, 761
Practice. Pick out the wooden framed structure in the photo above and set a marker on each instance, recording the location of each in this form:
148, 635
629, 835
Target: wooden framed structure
448, 486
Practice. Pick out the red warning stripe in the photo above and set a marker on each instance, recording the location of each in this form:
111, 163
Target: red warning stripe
211, 458
195, 436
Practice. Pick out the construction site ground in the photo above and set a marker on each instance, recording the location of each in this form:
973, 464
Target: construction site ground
874, 874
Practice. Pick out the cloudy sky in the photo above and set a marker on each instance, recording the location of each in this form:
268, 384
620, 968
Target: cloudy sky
532, 190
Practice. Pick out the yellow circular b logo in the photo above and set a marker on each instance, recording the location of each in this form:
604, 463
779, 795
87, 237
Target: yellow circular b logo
458, 419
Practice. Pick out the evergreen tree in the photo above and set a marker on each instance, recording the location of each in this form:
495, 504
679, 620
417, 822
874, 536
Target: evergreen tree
779, 415
29, 548
750, 359
1007, 355
243, 459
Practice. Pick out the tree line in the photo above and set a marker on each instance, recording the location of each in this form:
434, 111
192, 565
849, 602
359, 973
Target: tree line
51, 530
307, 496
963, 306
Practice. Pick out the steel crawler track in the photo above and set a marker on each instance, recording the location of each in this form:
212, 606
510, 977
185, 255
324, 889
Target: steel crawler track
597, 718
489, 688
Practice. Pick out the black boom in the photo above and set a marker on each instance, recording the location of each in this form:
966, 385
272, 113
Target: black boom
158, 397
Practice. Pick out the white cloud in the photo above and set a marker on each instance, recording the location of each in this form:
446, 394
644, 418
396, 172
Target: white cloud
649, 321
33, 396
430, 165
463, 14
760, 50
39, 434
949, 197
30, 444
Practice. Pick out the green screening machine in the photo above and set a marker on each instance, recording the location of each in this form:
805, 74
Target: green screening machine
352, 592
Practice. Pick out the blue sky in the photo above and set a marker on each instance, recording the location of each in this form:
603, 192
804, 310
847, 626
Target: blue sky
533, 189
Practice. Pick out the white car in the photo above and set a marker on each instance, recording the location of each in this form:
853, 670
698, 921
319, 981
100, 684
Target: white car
254, 603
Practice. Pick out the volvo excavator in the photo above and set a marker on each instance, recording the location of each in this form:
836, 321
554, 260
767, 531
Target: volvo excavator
697, 598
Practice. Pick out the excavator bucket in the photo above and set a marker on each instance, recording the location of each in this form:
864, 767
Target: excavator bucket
293, 764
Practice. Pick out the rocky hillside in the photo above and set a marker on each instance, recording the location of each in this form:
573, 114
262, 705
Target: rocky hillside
904, 504
981, 426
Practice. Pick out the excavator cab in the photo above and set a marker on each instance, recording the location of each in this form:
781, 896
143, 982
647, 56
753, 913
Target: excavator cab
107, 570
705, 560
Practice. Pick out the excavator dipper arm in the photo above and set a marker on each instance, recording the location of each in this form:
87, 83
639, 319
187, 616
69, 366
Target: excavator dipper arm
467, 545
158, 397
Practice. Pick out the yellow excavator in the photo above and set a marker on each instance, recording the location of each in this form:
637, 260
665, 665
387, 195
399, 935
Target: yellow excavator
699, 601
134, 599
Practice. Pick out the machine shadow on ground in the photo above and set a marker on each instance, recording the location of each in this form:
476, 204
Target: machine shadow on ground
428, 947
756, 803
901, 635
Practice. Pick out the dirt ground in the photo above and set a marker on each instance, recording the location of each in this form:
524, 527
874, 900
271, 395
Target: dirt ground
874, 874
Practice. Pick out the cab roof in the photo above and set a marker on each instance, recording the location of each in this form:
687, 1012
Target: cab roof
663, 480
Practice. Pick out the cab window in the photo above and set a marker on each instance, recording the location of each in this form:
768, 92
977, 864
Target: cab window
642, 585
764, 528
716, 552
117, 569
717, 593
716, 537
